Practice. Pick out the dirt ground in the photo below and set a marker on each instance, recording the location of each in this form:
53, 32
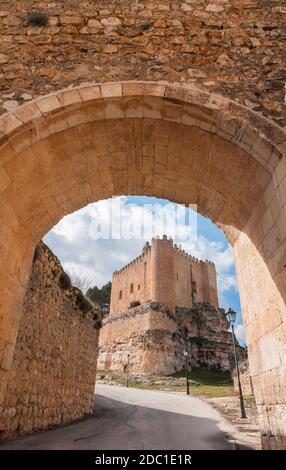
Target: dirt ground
248, 436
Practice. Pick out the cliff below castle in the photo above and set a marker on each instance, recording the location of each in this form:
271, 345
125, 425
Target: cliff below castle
155, 338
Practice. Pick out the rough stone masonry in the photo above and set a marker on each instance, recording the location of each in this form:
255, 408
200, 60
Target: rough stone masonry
53, 374
231, 47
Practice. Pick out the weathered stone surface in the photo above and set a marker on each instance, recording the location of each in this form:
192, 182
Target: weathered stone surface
155, 339
54, 366
4, 59
234, 44
245, 379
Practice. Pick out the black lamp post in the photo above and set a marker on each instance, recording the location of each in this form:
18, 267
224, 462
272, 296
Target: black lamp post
231, 316
127, 370
186, 354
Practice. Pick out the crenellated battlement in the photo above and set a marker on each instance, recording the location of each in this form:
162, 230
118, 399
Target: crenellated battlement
146, 250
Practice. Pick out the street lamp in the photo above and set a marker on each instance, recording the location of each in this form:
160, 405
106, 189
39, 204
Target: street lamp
231, 316
186, 354
127, 368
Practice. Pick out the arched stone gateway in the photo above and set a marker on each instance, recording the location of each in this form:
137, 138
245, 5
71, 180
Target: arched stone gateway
63, 151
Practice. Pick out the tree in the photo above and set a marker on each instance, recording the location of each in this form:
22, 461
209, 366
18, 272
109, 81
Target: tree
100, 296
79, 281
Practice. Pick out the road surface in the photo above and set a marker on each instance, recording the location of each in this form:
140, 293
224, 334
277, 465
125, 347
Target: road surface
126, 418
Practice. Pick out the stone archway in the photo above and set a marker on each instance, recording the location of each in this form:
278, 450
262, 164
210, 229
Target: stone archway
79, 145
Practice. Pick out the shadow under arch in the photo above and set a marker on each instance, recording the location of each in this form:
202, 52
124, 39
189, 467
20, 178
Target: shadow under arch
79, 145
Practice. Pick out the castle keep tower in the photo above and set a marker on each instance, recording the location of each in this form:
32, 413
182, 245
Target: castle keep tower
166, 274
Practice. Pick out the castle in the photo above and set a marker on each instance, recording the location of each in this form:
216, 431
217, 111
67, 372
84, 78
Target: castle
164, 273
163, 302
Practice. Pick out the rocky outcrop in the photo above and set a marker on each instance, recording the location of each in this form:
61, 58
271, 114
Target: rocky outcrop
210, 342
155, 338
53, 375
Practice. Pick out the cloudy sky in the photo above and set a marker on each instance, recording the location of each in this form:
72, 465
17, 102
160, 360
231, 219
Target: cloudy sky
104, 236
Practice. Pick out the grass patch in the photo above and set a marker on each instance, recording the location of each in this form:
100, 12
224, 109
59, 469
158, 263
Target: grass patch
132, 384
208, 384
250, 400
206, 377
212, 391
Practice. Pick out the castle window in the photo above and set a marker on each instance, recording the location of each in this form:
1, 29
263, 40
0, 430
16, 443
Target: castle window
120, 294
177, 276
131, 288
138, 286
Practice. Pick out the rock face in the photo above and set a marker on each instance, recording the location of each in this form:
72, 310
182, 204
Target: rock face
53, 375
232, 47
155, 338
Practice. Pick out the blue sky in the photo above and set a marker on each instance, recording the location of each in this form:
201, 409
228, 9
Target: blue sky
82, 253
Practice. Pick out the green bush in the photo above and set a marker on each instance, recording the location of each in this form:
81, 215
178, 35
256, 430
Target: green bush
100, 296
37, 18
65, 281
98, 324
82, 302
85, 305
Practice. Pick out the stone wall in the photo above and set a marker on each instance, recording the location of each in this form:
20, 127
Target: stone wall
142, 332
264, 313
154, 338
132, 283
231, 47
245, 379
53, 374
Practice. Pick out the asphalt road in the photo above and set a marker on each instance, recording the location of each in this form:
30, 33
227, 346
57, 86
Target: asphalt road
126, 418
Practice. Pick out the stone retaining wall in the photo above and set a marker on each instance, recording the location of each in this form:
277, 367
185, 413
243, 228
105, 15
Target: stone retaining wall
53, 374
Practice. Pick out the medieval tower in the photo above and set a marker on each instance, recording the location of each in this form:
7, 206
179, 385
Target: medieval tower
164, 273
